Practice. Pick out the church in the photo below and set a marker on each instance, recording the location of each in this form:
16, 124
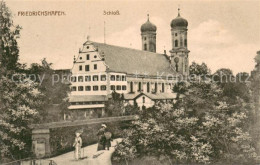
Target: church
141, 76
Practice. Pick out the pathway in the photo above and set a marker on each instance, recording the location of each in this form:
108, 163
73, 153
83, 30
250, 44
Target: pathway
104, 157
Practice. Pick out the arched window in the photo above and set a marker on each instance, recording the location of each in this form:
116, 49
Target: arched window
155, 87
176, 43
143, 99
145, 46
139, 87
148, 87
162, 87
131, 87
185, 42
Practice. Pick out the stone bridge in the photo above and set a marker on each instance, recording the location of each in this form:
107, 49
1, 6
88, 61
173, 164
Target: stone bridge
41, 132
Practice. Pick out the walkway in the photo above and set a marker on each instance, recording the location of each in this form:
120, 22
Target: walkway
103, 157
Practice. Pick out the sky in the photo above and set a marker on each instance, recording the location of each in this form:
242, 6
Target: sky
223, 34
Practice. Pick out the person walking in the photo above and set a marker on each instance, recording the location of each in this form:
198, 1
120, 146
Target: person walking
101, 137
77, 144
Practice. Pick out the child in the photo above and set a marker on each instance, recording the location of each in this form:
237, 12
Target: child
77, 144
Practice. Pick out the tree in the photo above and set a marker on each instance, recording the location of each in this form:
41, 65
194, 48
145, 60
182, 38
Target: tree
205, 126
19, 101
197, 69
9, 51
115, 106
54, 88
18, 109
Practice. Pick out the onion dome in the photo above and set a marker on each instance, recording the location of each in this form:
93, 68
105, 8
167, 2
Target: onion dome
179, 21
148, 26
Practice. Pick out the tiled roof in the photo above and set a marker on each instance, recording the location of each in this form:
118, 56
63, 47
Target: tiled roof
133, 61
156, 96
130, 96
85, 98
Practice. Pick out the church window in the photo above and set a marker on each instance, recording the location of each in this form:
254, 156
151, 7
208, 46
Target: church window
87, 57
176, 43
176, 67
88, 88
103, 87
80, 67
112, 77
80, 88
176, 34
95, 66
139, 87
185, 42
145, 46
95, 56
155, 87
103, 77
124, 87
148, 87
95, 88
112, 87
162, 87
131, 87
143, 99
80, 79
87, 78
95, 78
86, 67
144, 38
118, 87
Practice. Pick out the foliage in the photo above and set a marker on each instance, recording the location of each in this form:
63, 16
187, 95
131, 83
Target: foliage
54, 89
8, 45
18, 109
197, 69
208, 125
115, 106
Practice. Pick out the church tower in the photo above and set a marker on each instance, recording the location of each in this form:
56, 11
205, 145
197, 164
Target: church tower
148, 33
179, 52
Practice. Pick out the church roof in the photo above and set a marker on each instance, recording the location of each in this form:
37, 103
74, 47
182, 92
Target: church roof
133, 61
153, 96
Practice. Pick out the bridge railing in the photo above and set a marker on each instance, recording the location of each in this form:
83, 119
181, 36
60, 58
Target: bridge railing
29, 161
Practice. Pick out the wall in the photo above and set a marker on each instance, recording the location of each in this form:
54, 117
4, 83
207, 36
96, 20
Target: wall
61, 139
148, 102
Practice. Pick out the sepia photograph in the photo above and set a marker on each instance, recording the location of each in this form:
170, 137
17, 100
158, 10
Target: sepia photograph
114, 82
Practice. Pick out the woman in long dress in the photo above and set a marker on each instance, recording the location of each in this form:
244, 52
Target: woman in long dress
101, 138
77, 144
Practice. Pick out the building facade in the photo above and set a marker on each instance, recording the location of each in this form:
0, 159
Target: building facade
141, 76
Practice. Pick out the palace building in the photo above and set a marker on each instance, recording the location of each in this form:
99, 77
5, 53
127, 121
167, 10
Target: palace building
141, 76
